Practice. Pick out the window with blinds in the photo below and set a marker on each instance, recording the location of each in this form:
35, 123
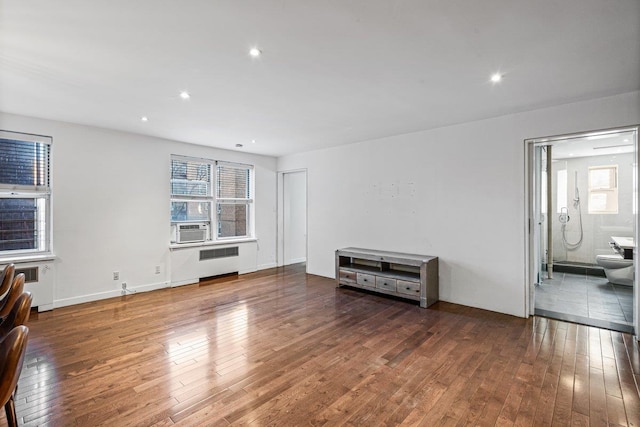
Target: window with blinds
200, 187
25, 193
233, 199
191, 194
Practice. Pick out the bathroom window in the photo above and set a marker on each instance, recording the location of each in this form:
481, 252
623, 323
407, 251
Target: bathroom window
561, 192
603, 189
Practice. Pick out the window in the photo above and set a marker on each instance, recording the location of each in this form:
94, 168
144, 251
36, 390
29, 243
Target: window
193, 198
25, 193
603, 189
561, 193
233, 199
191, 194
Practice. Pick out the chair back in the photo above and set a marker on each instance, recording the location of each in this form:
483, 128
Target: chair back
19, 314
12, 351
17, 287
6, 278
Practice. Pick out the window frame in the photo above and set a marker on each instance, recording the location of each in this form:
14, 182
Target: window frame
248, 201
213, 201
41, 194
610, 191
191, 198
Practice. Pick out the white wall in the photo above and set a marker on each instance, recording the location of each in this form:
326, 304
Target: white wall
295, 217
597, 228
111, 206
456, 192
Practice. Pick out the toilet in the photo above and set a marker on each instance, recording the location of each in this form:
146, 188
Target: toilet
618, 270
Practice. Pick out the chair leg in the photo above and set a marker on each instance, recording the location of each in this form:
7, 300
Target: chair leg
10, 410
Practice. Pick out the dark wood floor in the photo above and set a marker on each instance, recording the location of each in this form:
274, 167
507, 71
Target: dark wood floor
287, 349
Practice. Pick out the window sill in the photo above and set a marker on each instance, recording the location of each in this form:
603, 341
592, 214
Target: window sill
175, 246
23, 259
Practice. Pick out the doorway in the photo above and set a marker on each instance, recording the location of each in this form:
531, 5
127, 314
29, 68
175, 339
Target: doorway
292, 217
583, 227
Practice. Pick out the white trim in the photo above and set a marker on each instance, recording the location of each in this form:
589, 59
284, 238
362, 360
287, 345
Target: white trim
175, 246
296, 261
45, 307
196, 280
109, 294
267, 266
184, 282
23, 259
529, 214
280, 214
234, 165
23, 136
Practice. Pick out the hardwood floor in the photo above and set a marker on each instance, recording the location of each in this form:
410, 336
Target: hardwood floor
283, 348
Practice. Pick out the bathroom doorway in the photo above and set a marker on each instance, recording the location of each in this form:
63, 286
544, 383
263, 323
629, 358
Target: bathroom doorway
583, 227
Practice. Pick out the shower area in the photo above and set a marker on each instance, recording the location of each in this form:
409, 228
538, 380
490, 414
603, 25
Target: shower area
585, 213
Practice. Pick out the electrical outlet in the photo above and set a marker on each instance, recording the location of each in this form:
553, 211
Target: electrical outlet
157, 269
116, 275
124, 286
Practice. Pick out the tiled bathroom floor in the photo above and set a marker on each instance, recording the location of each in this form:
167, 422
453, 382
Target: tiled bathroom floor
586, 299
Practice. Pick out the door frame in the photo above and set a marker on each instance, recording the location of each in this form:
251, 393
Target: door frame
280, 216
530, 228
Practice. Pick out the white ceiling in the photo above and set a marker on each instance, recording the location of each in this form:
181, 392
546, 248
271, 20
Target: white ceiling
594, 144
332, 72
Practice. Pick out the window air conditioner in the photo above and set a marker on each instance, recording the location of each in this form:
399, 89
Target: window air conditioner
192, 232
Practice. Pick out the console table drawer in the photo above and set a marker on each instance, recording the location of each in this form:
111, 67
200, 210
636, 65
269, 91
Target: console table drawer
408, 288
385, 283
347, 276
368, 280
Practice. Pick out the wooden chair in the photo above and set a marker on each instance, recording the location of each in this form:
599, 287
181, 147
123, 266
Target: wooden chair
12, 351
6, 278
18, 315
7, 302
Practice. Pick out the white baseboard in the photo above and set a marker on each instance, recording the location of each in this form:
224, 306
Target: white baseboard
104, 295
45, 307
296, 261
184, 282
266, 266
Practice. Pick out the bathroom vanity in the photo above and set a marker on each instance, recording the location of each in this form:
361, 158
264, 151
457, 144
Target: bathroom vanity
403, 275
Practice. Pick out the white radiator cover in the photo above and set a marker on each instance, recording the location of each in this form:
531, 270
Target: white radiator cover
186, 267
42, 290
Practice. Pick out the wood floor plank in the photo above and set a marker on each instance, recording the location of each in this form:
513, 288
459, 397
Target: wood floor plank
280, 347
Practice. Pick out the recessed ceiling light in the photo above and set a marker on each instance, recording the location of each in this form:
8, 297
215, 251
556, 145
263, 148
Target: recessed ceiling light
185, 95
253, 141
255, 52
496, 77
144, 119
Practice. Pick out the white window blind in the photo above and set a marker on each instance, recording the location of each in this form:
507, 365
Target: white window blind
233, 199
197, 192
191, 190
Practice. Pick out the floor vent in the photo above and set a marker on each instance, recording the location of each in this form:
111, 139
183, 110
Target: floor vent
218, 253
30, 274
